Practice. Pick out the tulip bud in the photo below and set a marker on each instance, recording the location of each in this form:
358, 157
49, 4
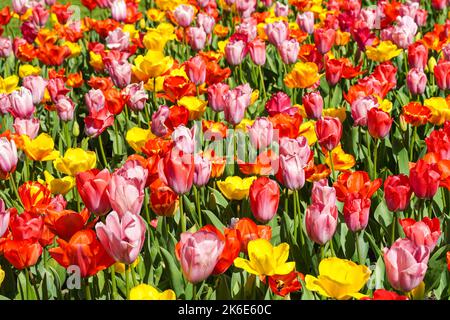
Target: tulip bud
264, 197
313, 104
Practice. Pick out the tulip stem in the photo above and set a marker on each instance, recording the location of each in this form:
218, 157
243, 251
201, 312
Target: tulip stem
133, 275
194, 291
412, 143
358, 236
197, 203
87, 289
333, 173
127, 279
300, 220
113, 282
27, 284
182, 216
102, 151
261, 74
375, 158
394, 222
12, 182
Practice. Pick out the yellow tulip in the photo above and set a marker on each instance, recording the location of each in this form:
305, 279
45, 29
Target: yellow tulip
96, 60
244, 124
75, 160
440, 110
130, 28
59, 186
120, 267
159, 84
255, 96
235, 188
75, 48
265, 259
221, 45
307, 129
335, 113
155, 15
147, 292
40, 148
385, 105
195, 106
341, 161
169, 4
28, 70
156, 38
303, 75
152, 65
418, 293
385, 51
8, 84
137, 137
339, 279
2, 275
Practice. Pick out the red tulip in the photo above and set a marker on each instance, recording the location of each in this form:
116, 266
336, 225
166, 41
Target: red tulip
177, 170
381, 294
66, 223
284, 284
249, 230
356, 211
264, 197
423, 233
357, 181
22, 253
417, 55
313, 104
397, 192
329, 132
442, 74
424, 179
379, 123
333, 71
92, 186
324, 39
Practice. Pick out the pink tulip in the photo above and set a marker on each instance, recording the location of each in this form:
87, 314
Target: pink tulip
22, 103
245, 7
119, 10
92, 186
206, 22
294, 155
421, 17
158, 121
202, 173
196, 70
289, 50
329, 132
29, 31
280, 103
56, 87
321, 222
236, 102
5, 47
37, 85
118, 40
313, 104
248, 28
20, 6
137, 96
97, 123
257, 50
370, 17
4, 218
261, 133
95, 100
122, 236
216, 96
120, 72
197, 38
8, 157
132, 169
281, 10
360, 107
184, 14
324, 39
322, 193
5, 103
305, 21
264, 197
277, 32
235, 52
406, 264
176, 170
39, 15
199, 253
416, 81
423, 233
29, 127
65, 109
184, 139
356, 211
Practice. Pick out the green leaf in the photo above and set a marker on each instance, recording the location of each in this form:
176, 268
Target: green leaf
214, 220
218, 197
176, 278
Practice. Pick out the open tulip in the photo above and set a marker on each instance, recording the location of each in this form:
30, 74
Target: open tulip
75, 160
423, 233
235, 188
40, 148
147, 292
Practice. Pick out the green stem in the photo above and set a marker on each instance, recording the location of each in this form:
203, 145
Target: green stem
300, 220
127, 281
197, 203
133, 275
333, 174
102, 151
261, 74
357, 248
27, 284
394, 223
375, 158
182, 216
113, 282
87, 289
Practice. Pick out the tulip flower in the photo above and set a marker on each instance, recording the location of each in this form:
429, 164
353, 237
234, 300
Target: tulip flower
305, 21
257, 50
381, 294
265, 259
423, 233
424, 179
126, 194
280, 102
147, 292
282, 285
321, 222
22, 253
313, 104
303, 75
339, 279
356, 211
261, 133
92, 186
197, 38
137, 96
34, 196
397, 192
163, 200
216, 96
289, 50
442, 74
196, 70
236, 102
184, 14
199, 253
4, 218
329, 132
29, 127
333, 71
202, 171
36, 85
378, 123
177, 170
324, 39
235, 188
40, 148
357, 181
66, 223
8, 157
22, 103
249, 230
75, 160
406, 264
264, 195
235, 52
385, 51
184, 139
417, 56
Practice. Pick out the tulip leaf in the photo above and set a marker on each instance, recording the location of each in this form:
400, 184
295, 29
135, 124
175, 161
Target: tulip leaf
214, 220
176, 278
379, 273
337, 97
218, 197
382, 215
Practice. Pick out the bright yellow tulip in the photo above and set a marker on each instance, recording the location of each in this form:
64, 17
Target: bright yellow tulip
385, 51
440, 110
75, 160
265, 259
75, 48
40, 148
2, 275
96, 60
195, 106
147, 292
137, 137
8, 84
341, 161
244, 124
235, 188
28, 70
156, 38
339, 279
152, 65
59, 186
307, 129
335, 113
304, 75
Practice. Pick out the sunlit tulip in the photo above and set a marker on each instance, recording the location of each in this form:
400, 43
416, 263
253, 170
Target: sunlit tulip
40, 148
147, 292
235, 188
264, 195
92, 185
75, 160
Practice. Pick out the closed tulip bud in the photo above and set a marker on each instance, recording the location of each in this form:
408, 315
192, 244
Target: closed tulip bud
92, 186
65, 108
324, 39
184, 14
37, 85
406, 264
305, 21
199, 253
442, 74
333, 71
422, 233
158, 121
261, 133
356, 211
245, 8
202, 173
177, 170
281, 10
424, 179
294, 156
277, 32
321, 222
163, 200
125, 194
421, 17
235, 52
313, 104
196, 70
119, 10
236, 102
289, 50
417, 56
257, 50
322, 193
360, 108
329, 132
431, 64
120, 72
416, 81
76, 129
216, 96
22, 103
206, 22
29, 127
184, 139
122, 236
197, 38
397, 192
378, 123
280, 103
8, 157
264, 197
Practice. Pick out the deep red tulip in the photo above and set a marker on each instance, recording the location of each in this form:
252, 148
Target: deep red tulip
264, 197
329, 132
424, 179
378, 123
397, 192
